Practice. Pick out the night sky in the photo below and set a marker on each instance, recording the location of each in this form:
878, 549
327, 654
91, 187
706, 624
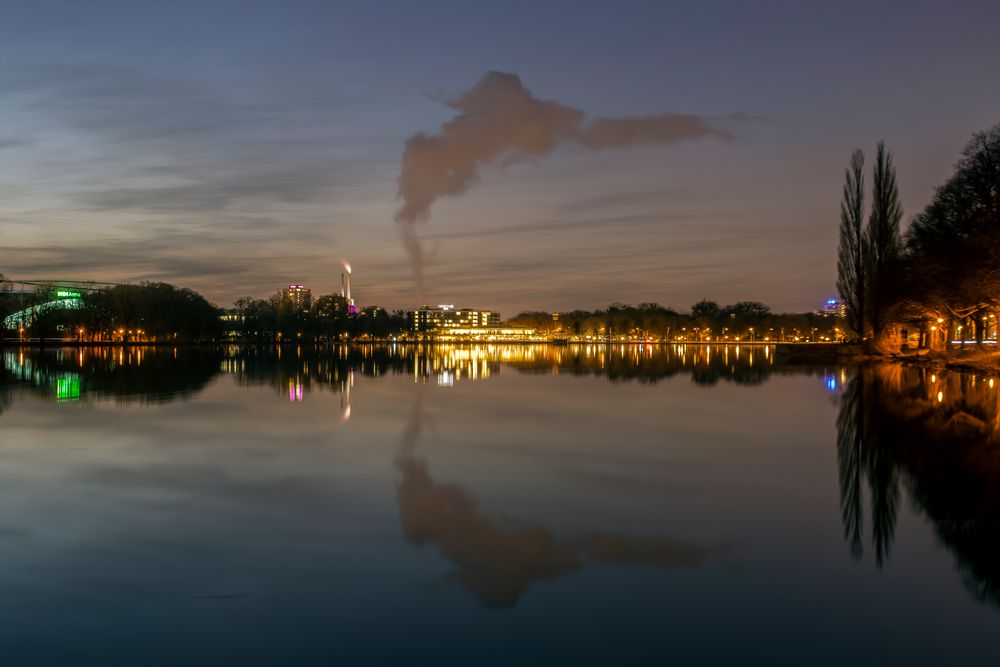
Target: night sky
235, 147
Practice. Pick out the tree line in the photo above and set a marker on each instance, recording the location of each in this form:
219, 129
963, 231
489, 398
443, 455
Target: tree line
327, 317
705, 321
940, 278
147, 311
160, 312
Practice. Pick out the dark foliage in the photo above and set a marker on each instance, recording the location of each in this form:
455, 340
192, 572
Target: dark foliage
953, 246
707, 320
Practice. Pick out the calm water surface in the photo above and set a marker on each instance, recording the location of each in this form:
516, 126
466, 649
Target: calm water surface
493, 505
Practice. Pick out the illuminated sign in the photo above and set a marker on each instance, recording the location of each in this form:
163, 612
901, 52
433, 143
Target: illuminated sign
67, 294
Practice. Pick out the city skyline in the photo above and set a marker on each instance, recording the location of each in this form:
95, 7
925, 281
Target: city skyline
269, 147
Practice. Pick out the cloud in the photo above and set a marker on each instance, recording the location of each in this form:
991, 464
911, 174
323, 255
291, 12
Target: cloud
13, 142
500, 122
664, 128
169, 144
212, 195
226, 256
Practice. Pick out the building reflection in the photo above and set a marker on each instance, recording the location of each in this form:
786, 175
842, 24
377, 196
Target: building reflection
933, 435
296, 372
159, 373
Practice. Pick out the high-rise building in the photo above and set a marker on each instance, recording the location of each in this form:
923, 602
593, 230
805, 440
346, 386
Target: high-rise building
834, 308
299, 295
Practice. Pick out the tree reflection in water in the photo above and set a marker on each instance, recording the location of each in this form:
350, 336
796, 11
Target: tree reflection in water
936, 435
157, 374
861, 459
125, 375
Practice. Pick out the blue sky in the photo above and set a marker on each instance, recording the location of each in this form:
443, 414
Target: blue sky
234, 147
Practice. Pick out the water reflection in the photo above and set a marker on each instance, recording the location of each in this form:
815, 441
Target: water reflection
297, 371
162, 374
936, 435
495, 558
598, 500
498, 559
900, 430
124, 374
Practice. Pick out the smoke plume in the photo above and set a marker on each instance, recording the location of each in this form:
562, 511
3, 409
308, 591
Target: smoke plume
498, 122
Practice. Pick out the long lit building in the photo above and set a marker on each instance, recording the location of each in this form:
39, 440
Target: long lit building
446, 323
485, 334
443, 318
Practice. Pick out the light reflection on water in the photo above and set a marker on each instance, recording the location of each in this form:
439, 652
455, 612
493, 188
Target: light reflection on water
581, 502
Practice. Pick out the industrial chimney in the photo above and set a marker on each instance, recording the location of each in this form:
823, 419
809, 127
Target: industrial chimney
351, 308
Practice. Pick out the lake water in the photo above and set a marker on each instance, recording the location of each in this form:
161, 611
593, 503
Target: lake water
493, 505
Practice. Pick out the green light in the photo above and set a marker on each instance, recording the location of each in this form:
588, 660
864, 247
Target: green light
67, 294
68, 388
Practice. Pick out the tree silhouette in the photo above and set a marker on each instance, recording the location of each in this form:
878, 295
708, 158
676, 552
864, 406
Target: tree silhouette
883, 241
953, 246
852, 252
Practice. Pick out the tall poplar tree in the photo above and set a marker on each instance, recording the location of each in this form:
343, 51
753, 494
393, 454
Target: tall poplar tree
852, 253
883, 241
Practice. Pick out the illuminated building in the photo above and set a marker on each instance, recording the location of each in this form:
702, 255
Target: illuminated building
443, 318
490, 334
233, 320
299, 295
832, 308
446, 323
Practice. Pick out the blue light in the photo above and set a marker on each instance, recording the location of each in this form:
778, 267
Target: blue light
831, 383
831, 302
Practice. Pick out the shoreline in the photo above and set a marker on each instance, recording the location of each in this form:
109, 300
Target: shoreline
969, 360
287, 343
962, 361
